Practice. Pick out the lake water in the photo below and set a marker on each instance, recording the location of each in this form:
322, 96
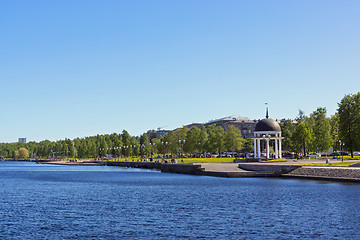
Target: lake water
39, 201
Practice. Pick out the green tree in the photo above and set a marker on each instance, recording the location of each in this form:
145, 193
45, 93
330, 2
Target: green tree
117, 143
156, 148
334, 124
172, 139
232, 139
215, 138
23, 153
287, 130
145, 144
321, 129
349, 121
301, 117
193, 139
16, 154
204, 136
168, 143
126, 139
103, 147
135, 146
302, 138
248, 145
155, 142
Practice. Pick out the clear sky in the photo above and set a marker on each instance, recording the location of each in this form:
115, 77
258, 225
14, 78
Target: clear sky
79, 68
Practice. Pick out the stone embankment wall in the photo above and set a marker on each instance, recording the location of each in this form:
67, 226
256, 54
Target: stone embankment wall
182, 168
276, 168
349, 174
326, 173
164, 167
146, 165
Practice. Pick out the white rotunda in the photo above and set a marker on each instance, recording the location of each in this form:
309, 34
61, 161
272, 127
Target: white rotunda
267, 130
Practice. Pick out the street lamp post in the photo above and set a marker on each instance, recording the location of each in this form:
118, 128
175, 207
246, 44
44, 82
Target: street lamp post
116, 149
341, 150
122, 155
126, 147
181, 143
132, 154
142, 146
164, 144
151, 151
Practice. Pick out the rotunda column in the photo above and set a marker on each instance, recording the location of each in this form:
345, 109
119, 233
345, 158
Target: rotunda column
255, 143
276, 146
258, 148
267, 148
280, 153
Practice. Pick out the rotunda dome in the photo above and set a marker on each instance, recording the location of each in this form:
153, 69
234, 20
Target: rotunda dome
267, 125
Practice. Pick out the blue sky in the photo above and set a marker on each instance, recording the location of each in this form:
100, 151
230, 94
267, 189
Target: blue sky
79, 68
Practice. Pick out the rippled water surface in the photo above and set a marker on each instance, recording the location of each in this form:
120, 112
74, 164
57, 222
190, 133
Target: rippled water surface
39, 201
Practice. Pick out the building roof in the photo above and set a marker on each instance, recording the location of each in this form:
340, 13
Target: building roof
230, 118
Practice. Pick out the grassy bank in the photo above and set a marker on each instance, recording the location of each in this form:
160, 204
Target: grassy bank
338, 164
187, 160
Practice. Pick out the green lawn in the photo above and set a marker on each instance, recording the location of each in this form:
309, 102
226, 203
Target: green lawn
206, 160
188, 160
338, 164
201, 160
342, 157
274, 160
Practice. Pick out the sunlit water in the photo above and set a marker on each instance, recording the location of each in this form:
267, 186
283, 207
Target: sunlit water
40, 201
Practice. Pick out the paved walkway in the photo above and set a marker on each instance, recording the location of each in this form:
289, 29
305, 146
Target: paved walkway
233, 167
221, 167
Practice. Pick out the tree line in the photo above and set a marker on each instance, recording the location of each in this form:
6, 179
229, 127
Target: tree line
194, 140
315, 132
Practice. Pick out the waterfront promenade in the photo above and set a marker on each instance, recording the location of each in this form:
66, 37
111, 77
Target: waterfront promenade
288, 169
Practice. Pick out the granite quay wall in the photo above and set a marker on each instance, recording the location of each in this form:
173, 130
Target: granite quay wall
146, 165
194, 169
276, 168
246, 160
348, 174
197, 169
186, 168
